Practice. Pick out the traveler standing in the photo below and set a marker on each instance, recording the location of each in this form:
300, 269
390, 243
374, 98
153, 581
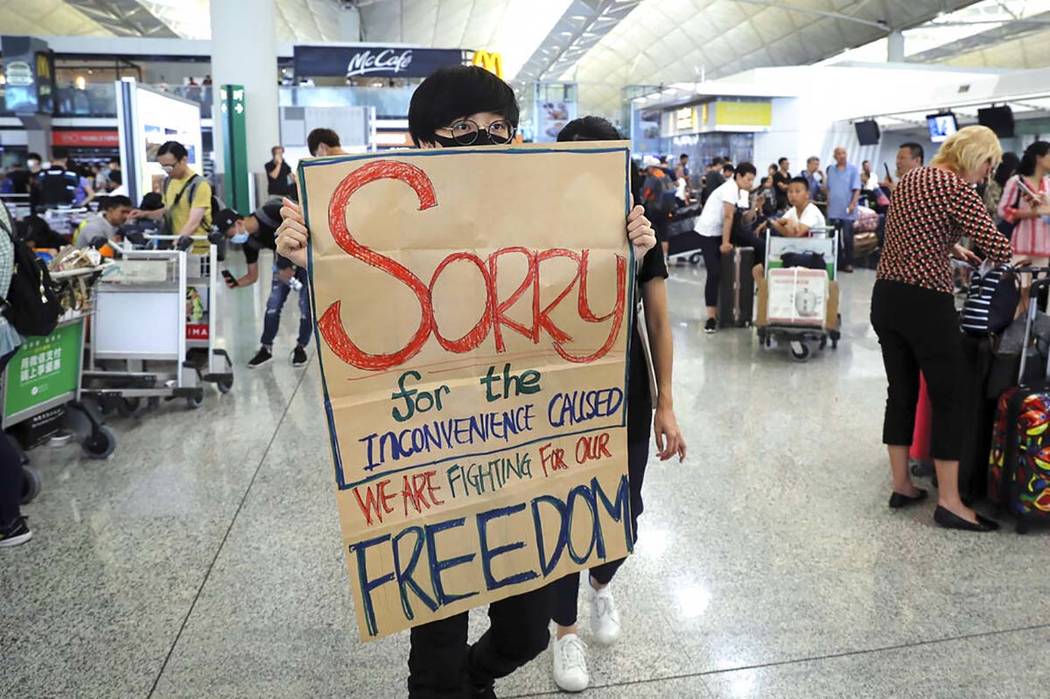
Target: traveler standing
717, 232
1031, 235
993, 192
13, 527
186, 195
909, 157
58, 184
781, 180
913, 311
658, 197
279, 179
814, 177
253, 233
713, 179
568, 650
464, 106
843, 190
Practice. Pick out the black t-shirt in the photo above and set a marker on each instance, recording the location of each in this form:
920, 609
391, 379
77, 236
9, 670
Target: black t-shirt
639, 403
269, 218
58, 186
281, 185
21, 180
781, 178
713, 180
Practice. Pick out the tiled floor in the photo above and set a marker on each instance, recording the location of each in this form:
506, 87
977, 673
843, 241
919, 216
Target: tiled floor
203, 559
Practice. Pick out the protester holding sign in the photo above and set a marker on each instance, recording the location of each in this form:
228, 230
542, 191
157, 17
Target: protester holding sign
651, 347
461, 106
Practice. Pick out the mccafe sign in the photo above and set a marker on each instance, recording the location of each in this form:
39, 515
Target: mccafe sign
372, 61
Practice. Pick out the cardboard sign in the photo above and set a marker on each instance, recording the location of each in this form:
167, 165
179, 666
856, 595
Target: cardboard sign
797, 296
474, 307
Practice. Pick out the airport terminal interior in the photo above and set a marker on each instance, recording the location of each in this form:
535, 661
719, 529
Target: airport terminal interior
792, 298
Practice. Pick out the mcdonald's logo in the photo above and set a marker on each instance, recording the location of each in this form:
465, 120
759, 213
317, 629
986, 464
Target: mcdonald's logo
492, 62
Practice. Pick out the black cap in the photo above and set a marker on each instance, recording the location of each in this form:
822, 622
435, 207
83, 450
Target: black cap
226, 218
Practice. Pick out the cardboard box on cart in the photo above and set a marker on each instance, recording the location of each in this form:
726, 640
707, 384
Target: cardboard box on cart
831, 321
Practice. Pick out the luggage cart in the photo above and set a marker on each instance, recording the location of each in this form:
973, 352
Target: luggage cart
801, 331
156, 333
42, 383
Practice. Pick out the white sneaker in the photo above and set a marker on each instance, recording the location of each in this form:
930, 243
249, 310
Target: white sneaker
605, 620
570, 663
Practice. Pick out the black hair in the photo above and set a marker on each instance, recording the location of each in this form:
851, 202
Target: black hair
684, 155
799, 180
917, 151
59, 153
114, 160
782, 161
1007, 168
745, 169
728, 169
152, 201
114, 201
116, 178
34, 156
173, 148
273, 151
589, 128
318, 136
1031, 154
716, 161
455, 92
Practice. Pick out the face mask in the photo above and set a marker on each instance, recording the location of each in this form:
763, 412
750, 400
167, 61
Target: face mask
484, 139
168, 169
239, 238
33, 163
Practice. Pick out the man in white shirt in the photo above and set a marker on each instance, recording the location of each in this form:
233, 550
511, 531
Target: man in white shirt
715, 226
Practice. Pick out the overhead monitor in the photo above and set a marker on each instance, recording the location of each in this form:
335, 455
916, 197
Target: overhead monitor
998, 119
941, 126
867, 132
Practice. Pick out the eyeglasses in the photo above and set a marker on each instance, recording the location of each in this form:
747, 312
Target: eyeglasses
465, 131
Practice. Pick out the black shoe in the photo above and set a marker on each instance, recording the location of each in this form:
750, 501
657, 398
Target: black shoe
949, 520
16, 533
711, 326
899, 500
261, 357
298, 356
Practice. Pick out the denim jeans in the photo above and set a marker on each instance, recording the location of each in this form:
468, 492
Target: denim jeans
279, 291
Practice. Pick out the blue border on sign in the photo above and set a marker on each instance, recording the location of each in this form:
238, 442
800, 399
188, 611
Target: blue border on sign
629, 309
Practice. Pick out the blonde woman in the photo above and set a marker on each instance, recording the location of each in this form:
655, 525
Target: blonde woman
913, 311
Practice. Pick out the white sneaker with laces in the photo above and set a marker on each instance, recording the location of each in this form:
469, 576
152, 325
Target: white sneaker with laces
605, 620
570, 663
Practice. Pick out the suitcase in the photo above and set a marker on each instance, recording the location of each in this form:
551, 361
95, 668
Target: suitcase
736, 292
1019, 463
922, 464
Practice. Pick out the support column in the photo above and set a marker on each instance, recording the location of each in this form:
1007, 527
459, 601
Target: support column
251, 63
895, 47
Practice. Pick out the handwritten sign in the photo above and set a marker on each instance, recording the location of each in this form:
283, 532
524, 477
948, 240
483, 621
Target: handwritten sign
473, 312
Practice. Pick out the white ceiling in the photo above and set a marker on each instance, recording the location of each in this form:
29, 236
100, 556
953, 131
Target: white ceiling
659, 42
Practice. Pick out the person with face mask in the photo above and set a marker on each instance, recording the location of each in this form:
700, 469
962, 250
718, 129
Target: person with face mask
253, 233
454, 107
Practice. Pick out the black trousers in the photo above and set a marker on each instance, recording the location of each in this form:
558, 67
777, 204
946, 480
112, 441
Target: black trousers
441, 664
918, 329
567, 590
10, 472
713, 264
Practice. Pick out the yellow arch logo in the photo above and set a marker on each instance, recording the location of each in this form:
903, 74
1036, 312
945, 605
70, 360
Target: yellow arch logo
490, 61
